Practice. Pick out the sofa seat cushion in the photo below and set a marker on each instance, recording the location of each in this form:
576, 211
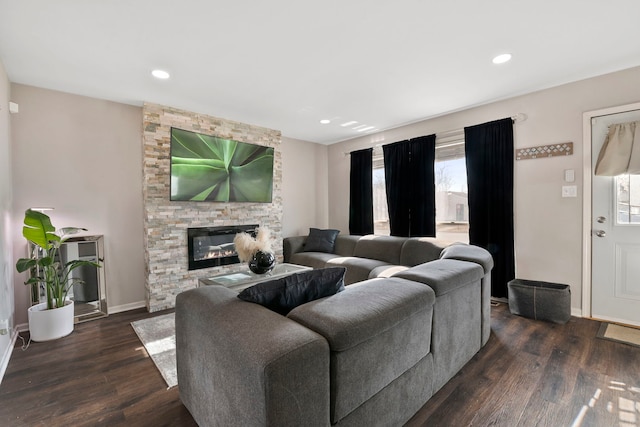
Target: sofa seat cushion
311, 259
443, 275
377, 330
358, 269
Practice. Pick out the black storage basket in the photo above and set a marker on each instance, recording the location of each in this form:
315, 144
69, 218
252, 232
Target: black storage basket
540, 300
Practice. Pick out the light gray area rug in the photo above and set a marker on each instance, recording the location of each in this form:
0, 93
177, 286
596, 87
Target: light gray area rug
158, 335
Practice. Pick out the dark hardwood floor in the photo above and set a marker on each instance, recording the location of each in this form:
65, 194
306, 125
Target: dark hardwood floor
531, 373
100, 375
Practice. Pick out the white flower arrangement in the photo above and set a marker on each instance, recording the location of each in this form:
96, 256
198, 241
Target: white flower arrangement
247, 246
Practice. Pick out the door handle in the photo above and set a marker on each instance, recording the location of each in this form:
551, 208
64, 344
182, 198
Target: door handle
600, 233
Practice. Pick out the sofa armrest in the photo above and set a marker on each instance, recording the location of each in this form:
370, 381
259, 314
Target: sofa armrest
292, 245
469, 253
242, 364
483, 258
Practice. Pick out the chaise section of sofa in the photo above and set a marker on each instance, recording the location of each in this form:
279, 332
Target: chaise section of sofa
377, 330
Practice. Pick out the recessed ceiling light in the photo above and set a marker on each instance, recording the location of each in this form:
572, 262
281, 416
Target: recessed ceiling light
160, 74
325, 121
352, 122
501, 59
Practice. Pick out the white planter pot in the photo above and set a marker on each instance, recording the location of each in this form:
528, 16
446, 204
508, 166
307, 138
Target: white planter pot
46, 325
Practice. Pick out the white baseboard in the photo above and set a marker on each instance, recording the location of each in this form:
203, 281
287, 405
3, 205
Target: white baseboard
7, 355
126, 307
576, 312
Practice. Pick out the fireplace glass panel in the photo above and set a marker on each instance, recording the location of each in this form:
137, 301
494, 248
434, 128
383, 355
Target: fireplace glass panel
213, 246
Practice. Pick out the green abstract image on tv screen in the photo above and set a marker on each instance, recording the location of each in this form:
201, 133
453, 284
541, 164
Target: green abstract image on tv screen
206, 168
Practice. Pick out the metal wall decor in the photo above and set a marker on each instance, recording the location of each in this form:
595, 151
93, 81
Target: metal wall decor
542, 151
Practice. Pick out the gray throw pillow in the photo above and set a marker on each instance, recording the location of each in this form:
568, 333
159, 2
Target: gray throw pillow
284, 294
320, 240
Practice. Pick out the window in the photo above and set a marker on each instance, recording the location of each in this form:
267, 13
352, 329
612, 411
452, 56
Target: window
452, 209
627, 199
380, 210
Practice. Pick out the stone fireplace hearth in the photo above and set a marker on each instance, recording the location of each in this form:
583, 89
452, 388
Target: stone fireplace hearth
166, 223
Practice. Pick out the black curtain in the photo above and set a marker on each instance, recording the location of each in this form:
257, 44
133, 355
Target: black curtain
410, 185
361, 192
423, 199
489, 156
398, 186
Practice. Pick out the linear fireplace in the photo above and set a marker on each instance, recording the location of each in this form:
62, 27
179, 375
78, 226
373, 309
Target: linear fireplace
213, 246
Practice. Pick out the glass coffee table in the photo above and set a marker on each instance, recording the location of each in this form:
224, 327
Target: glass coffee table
239, 280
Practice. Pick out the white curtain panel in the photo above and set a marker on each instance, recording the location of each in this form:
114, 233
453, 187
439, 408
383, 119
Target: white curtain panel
620, 153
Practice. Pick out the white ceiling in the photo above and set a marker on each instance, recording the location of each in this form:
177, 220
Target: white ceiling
287, 64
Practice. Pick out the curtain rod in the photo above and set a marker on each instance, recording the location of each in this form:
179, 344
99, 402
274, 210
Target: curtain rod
450, 136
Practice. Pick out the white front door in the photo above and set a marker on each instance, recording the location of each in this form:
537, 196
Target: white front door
615, 235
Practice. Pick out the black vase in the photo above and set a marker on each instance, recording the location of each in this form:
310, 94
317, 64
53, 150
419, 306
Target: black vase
262, 262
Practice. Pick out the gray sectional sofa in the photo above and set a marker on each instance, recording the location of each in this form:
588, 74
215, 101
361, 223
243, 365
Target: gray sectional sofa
370, 355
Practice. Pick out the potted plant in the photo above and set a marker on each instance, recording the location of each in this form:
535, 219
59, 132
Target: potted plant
52, 319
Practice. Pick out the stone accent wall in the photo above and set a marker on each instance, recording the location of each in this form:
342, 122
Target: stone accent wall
166, 222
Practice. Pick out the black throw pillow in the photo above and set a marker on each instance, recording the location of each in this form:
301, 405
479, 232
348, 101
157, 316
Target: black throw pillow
284, 294
320, 240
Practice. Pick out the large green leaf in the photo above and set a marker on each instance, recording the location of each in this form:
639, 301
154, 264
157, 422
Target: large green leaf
25, 264
248, 182
188, 180
38, 229
207, 168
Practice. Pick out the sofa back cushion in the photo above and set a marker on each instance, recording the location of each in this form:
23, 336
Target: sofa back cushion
345, 244
418, 250
382, 248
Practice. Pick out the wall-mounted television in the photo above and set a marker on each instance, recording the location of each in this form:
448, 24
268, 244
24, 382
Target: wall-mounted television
206, 168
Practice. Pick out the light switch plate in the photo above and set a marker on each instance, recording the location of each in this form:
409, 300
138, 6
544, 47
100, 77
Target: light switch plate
569, 175
569, 191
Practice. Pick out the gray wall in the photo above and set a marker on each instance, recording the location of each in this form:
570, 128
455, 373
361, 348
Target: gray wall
548, 228
304, 186
6, 252
82, 156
